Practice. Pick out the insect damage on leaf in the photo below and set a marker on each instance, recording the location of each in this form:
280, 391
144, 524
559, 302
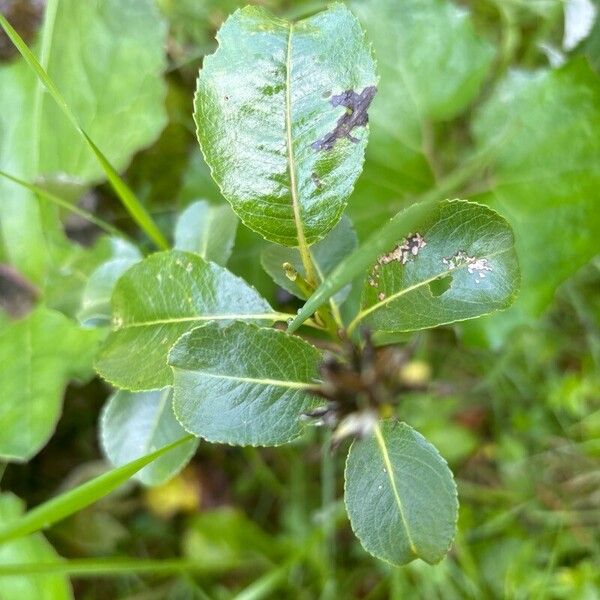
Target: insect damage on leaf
475, 266
409, 247
356, 115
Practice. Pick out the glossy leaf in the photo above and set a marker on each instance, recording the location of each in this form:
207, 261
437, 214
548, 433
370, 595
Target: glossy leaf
208, 230
241, 384
281, 111
400, 496
363, 258
135, 424
157, 301
29, 551
72, 501
546, 176
38, 355
431, 64
461, 263
326, 254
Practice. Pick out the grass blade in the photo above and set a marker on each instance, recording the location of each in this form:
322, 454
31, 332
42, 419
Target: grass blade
109, 567
129, 200
46, 195
74, 500
363, 258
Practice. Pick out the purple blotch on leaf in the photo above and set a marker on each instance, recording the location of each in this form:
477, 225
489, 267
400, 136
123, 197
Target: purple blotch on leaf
356, 115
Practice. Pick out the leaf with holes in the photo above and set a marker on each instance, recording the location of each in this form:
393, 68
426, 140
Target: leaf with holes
136, 424
243, 385
157, 301
326, 254
400, 496
282, 112
208, 230
460, 264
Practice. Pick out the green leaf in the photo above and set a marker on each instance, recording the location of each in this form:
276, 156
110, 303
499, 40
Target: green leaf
281, 116
67, 282
546, 174
459, 264
74, 500
208, 230
431, 65
118, 98
243, 385
326, 255
27, 552
43, 136
39, 355
133, 425
24, 224
363, 258
95, 302
156, 301
400, 496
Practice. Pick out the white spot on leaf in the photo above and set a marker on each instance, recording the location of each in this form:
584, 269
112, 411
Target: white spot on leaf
476, 266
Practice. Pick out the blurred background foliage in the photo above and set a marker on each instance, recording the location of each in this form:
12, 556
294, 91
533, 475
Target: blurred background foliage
491, 100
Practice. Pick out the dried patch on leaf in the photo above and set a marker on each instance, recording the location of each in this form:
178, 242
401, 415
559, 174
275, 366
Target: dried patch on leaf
408, 248
356, 115
476, 266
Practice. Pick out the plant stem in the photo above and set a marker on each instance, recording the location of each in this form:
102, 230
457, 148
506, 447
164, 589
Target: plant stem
327, 502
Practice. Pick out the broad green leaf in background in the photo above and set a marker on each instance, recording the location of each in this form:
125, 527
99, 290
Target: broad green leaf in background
106, 57
38, 356
546, 176
32, 549
281, 111
23, 229
400, 496
135, 424
326, 254
208, 230
461, 263
95, 301
158, 300
110, 77
243, 385
431, 65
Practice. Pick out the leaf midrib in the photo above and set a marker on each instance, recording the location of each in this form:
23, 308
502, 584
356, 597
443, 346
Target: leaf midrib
219, 317
299, 385
302, 245
390, 473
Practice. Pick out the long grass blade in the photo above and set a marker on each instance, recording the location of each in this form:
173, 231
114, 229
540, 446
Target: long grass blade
109, 567
74, 500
